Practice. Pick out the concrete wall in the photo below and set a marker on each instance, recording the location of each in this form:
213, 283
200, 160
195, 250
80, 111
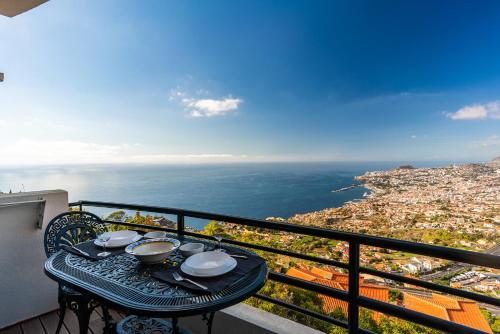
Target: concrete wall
25, 291
245, 319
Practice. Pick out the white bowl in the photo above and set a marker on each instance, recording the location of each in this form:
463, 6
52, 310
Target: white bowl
191, 248
209, 263
153, 250
155, 235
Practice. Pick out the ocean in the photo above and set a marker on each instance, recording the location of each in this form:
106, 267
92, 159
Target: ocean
247, 190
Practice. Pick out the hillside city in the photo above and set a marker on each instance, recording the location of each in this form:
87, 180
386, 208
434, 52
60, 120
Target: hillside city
455, 206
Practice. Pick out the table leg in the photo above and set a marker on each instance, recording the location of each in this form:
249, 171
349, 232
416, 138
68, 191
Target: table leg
109, 323
175, 326
83, 314
209, 320
62, 310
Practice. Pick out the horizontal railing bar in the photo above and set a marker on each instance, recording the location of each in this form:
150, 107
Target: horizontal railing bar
433, 286
289, 253
240, 243
416, 317
300, 283
149, 227
303, 310
453, 254
283, 252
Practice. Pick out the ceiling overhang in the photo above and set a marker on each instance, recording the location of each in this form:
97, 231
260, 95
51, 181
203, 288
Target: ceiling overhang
12, 8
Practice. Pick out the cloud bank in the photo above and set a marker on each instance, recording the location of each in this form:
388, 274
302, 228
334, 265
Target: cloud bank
54, 152
477, 111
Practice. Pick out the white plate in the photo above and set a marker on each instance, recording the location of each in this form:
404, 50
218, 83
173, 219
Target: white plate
120, 237
208, 264
118, 243
187, 270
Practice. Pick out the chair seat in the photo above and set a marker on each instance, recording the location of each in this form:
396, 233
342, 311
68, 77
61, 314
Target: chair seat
144, 325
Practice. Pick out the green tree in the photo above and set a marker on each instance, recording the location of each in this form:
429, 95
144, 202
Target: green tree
395, 296
118, 215
214, 228
392, 325
493, 320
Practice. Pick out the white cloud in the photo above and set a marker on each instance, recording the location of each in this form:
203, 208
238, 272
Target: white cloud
176, 94
204, 107
211, 107
477, 111
413, 137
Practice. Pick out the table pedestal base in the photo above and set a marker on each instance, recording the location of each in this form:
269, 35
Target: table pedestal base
144, 325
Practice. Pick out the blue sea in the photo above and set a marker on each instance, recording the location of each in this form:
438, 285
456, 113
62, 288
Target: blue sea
248, 190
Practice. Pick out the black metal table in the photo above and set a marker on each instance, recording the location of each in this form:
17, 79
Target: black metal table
122, 282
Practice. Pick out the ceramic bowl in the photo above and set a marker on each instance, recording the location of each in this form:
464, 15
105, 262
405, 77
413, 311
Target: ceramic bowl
153, 250
191, 248
155, 235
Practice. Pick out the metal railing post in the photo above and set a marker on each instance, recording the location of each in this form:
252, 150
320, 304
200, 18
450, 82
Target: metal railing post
353, 314
180, 224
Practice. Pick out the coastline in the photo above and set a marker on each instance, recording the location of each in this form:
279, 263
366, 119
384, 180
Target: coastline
438, 205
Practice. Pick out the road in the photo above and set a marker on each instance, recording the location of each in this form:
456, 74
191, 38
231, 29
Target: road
456, 267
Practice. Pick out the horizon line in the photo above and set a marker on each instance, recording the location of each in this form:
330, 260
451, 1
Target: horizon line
255, 162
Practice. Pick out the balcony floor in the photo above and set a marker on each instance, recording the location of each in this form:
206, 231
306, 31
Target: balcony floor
47, 323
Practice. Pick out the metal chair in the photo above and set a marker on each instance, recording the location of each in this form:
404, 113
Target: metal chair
71, 228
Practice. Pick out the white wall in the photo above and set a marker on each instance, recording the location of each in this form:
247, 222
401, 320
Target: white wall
25, 291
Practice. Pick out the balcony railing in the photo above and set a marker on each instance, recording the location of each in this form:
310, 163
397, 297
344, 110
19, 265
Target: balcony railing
355, 240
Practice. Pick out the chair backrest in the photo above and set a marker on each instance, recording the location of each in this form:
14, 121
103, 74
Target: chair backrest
70, 228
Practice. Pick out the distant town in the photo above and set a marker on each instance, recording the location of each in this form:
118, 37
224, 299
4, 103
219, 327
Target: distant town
455, 206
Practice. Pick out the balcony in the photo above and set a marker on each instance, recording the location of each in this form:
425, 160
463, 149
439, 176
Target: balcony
29, 298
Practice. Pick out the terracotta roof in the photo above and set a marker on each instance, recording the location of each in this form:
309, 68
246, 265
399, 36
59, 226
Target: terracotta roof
302, 274
338, 281
323, 273
461, 311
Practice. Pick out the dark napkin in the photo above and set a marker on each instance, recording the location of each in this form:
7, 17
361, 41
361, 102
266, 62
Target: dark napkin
214, 284
92, 250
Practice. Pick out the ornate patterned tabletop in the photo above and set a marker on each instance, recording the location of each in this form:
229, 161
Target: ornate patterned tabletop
123, 281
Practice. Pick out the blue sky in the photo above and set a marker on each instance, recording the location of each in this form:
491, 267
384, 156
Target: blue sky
229, 81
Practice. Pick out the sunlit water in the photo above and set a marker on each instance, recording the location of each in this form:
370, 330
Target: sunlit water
250, 190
